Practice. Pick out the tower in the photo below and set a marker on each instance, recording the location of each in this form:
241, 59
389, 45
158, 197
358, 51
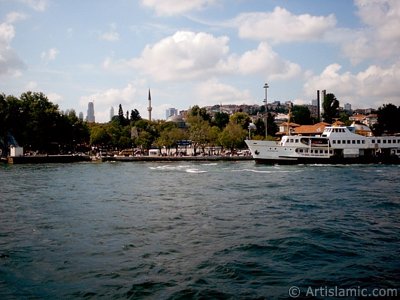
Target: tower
111, 113
149, 108
90, 113
318, 106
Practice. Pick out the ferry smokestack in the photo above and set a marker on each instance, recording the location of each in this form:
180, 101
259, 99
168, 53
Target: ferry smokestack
322, 102
318, 107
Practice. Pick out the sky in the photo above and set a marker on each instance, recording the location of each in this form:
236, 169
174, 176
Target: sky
199, 52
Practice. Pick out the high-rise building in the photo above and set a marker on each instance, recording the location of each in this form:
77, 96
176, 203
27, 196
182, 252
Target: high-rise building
81, 116
171, 112
90, 113
111, 113
347, 107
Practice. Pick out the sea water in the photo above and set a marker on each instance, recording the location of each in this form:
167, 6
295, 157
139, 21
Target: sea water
182, 230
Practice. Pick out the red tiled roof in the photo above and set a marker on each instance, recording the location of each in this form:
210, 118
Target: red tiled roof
311, 129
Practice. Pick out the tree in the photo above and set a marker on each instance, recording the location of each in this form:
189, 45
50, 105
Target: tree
144, 140
301, 115
260, 128
214, 133
221, 119
135, 116
241, 118
232, 136
99, 136
344, 117
198, 133
169, 138
330, 106
121, 117
388, 119
272, 127
196, 111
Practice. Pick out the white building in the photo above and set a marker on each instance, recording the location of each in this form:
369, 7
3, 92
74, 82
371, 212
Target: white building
171, 112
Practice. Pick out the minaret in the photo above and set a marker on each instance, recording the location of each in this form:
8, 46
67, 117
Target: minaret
149, 108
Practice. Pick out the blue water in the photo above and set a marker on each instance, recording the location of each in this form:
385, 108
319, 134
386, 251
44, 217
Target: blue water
196, 230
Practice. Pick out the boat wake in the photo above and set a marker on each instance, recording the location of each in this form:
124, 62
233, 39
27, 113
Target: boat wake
197, 171
181, 168
267, 171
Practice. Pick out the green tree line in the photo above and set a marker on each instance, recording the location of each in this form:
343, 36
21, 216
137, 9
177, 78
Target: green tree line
38, 125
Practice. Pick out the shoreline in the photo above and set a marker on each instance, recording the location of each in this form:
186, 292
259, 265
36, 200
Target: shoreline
42, 159
175, 158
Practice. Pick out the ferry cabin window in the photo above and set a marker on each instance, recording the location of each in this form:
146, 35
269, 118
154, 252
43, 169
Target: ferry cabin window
353, 141
384, 141
358, 141
363, 142
378, 141
338, 141
296, 140
389, 141
348, 141
334, 142
373, 141
344, 142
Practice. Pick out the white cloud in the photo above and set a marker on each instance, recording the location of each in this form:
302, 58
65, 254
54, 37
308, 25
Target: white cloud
31, 86
111, 35
55, 98
264, 60
379, 39
371, 87
14, 16
185, 55
49, 55
10, 63
38, 5
7, 33
174, 7
213, 92
282, 26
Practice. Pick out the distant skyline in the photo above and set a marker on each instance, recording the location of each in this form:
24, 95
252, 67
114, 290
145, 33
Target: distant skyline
199, 52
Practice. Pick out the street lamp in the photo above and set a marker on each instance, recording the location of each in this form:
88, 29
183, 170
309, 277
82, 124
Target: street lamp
266, 86
252, 126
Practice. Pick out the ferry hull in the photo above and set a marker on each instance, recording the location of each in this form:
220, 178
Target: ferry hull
331, 160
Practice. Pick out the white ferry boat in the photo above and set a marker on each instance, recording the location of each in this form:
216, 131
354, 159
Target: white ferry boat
337, 144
